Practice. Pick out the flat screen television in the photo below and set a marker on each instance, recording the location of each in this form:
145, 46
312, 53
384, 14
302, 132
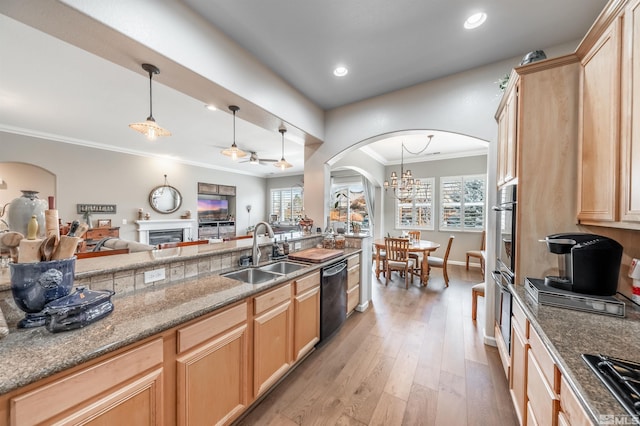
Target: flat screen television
210, 210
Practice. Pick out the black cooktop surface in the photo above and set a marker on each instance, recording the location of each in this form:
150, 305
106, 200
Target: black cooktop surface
621, 377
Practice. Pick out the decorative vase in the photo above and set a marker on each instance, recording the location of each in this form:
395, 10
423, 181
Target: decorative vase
33, 285
22, 208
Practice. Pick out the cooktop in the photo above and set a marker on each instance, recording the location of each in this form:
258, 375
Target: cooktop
621, 377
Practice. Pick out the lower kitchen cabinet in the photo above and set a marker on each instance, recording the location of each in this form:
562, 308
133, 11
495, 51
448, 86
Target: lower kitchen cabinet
124, 389
272, 337
353, 282
571, 411
213, 368
518, 377
306, 308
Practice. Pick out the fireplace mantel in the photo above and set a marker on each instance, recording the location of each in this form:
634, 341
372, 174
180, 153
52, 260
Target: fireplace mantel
188, 227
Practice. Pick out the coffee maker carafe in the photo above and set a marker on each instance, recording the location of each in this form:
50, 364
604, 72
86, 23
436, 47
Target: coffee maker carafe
587, 263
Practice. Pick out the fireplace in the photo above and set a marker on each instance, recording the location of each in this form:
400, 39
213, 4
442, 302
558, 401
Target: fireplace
165, 236
166, 230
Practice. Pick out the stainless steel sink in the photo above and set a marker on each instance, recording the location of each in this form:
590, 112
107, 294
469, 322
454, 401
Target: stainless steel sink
283, 267
252, 276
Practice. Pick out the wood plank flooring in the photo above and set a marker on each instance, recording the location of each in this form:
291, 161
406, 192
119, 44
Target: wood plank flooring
414, 358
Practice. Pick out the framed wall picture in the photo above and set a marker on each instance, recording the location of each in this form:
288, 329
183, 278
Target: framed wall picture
104, 223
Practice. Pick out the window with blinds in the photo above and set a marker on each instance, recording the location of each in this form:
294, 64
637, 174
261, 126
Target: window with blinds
286, 204
417, 214
462, 203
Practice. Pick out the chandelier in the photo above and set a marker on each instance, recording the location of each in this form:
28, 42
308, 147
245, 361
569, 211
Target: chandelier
405, 188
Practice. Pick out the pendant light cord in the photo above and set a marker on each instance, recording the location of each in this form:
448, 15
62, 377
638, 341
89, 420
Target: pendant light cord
150, 97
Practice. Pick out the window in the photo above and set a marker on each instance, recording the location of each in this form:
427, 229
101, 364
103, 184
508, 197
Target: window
349, 208
417, 214
286, 204
462, 203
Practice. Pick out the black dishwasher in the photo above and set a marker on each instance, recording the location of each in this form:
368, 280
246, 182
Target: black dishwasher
333, 298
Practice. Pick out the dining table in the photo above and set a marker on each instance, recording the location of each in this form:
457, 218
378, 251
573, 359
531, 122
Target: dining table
417, 246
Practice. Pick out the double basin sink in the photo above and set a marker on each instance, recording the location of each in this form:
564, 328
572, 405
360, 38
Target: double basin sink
265, 273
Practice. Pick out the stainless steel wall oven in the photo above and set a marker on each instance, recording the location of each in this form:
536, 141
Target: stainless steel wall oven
505, 258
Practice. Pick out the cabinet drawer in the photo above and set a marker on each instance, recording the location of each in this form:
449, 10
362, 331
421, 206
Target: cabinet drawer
353, 298
308, 281
520, 320
50, 400
353, 261
353, 277
203, 330
544, 359
100, 233
544, 402
272, 298
571, 407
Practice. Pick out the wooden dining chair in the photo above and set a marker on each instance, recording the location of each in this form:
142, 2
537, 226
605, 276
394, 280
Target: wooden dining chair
382, 266
398, 259
417, 257
441, 262
478, 253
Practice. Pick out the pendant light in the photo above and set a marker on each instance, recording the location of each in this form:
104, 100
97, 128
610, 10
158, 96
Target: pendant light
150, 128
283, 164
233, 151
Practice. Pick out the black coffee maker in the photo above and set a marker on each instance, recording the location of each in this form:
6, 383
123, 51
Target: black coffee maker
587, 263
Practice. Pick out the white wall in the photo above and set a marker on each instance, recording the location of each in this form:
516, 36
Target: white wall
87, 175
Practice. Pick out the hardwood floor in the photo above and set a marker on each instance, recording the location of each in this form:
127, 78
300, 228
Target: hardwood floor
414, 358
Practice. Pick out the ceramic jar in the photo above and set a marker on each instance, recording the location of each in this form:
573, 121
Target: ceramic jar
22, 208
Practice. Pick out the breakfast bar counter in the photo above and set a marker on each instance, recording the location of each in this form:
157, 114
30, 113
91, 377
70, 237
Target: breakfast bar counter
31, 354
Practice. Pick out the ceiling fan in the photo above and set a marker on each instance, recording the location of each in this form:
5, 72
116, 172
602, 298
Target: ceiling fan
254, 159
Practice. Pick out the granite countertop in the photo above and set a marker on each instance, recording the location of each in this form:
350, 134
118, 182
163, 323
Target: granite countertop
569, 333
31, 354
98, 265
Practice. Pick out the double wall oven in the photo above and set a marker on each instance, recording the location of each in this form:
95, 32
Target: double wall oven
503, 275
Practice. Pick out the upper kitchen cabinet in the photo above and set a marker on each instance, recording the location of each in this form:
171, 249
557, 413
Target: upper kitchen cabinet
507, 130
609, 159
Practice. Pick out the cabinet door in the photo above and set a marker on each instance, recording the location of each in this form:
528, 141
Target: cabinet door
212, 380
212, 368
630, 155
306, 322
507, 138
272, 346
599, 128
124, 389
518, 379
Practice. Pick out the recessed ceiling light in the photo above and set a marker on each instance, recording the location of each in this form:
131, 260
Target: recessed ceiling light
340, 71
475, 20
211, 107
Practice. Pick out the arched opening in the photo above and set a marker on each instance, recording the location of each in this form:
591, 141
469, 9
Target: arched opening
454, 166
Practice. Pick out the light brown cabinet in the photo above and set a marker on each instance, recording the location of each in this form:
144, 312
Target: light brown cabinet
518, 375
306, 308
507, 135
543, 382
213, 368
538, 131
272, 337
124, 389
353, 282
609, 167
598, 165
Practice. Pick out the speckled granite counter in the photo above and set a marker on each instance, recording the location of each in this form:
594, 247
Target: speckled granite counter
29, 355
569, 333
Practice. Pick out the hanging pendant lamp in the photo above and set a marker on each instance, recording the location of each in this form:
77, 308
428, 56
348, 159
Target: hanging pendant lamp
233, 151
150, 128
282, 164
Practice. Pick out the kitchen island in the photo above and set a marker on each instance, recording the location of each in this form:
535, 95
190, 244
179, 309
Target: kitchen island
155, 323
